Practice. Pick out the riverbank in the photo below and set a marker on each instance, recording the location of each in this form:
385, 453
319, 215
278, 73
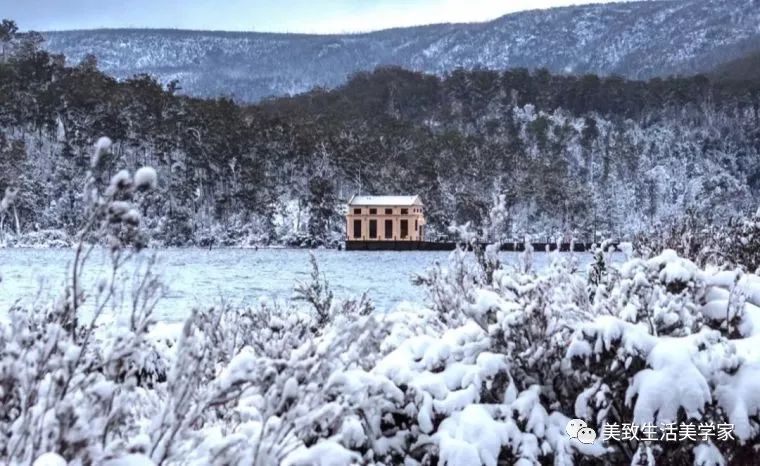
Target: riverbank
60, 239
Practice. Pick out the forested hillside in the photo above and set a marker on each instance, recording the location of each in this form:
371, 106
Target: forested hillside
746, 68
638, 40
572, 154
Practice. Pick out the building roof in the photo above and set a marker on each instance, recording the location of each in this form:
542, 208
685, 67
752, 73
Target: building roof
384, 200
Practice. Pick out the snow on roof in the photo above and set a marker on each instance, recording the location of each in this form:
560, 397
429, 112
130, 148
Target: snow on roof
384, 200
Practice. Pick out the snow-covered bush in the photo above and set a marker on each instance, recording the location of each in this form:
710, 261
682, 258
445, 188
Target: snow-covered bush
731, 244
43, 239
668, 346
260, 386
65, 388
665, 342
512, 334
742, 242
687, 234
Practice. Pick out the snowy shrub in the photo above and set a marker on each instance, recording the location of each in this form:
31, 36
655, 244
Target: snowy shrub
102, 147
43, 239
66, 388
659, 352
601, 274
734, 243
451, 288
257, 386
653, 346
146, 178
472, 387
317, 293
742, 242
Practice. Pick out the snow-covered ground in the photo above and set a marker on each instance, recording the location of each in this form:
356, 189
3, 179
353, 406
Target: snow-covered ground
240, 276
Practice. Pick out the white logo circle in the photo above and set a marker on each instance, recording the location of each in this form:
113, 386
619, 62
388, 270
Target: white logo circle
586, 435
574, 426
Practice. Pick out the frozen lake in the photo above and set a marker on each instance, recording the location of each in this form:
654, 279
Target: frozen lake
240, 276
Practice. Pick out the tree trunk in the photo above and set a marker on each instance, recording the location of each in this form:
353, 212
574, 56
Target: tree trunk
18, 225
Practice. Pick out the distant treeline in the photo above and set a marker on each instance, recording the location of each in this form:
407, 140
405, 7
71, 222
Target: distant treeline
572, 154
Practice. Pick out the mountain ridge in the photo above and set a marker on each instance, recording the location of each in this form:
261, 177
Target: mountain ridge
637, 40
341, 34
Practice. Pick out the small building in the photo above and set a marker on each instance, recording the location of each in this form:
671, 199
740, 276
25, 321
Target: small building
385, 218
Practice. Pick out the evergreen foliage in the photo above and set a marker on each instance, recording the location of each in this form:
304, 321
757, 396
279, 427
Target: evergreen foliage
573, 155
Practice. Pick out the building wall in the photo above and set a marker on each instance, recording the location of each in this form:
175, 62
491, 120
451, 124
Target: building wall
414, 214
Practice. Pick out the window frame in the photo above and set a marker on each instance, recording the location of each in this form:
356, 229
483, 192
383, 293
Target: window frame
388, 232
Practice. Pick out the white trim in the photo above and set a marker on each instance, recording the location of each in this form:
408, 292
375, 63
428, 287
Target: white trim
365, 201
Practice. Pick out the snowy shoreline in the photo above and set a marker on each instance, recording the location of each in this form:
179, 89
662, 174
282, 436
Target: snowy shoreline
66, 242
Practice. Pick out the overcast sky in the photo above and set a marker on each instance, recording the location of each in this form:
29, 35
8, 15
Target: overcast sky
316, 16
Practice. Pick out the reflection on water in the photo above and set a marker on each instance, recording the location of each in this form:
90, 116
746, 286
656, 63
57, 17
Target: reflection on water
237, 276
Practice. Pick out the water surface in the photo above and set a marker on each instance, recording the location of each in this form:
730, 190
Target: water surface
238, 276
